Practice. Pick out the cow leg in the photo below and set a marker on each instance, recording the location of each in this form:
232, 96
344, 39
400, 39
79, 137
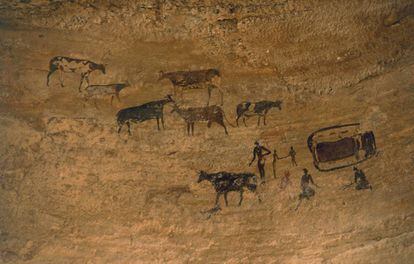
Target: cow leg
264, 119
61, 78
209, 88
237, 120
244, 121
112, 99
225, 198
129, 128
87, 78
51, 71
120, 127
192, 129
217, 199
188, 129
258, 121
81, 81
117, 96
221, 123
162, 121
158, 123
241, 196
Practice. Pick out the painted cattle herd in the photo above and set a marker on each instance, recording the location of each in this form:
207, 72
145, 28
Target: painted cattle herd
334, 147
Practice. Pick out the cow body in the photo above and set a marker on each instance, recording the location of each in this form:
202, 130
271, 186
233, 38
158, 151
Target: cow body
141, 113
225, 182
103, 90
66, 64
259, 109
207, 114
199, 79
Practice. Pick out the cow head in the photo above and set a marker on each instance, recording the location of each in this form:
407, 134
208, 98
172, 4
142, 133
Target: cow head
101, 67
121, 86
169, 98
215, 72
202, 176
278, 104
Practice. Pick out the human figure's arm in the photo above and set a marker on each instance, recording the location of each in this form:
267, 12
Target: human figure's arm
311, 180
267, 151
275, 156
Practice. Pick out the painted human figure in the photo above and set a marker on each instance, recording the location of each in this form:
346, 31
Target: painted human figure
275, 158
360, 180
285, 181
292, 154
307, 191
260, 152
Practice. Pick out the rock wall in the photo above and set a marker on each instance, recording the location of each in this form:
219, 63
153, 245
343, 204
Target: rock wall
76, 191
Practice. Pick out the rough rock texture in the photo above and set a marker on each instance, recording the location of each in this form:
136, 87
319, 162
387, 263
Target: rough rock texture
73, 191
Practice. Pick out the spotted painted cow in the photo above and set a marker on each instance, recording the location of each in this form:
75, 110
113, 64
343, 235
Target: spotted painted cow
66, 64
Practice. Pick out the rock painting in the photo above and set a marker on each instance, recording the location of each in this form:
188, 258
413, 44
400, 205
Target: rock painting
341, 146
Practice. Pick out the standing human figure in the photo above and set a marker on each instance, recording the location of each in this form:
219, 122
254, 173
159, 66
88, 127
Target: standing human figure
275, 158
307, 191
292, 154
260, 152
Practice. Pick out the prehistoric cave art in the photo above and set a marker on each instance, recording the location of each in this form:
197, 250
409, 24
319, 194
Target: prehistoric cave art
97, 91
225, 182
307, 190
341, 146
360, 181
285, 180
260, 152
209, 114
66, 64
144, 112
260, 109
332, 147
276, 158
200, 79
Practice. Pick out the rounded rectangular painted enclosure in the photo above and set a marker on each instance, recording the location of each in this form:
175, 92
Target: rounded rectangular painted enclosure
340, 146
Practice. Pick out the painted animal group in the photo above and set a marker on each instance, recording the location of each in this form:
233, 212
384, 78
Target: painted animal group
223, 182
180, 80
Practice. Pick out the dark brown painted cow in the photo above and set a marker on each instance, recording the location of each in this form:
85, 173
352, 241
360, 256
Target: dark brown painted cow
259, 109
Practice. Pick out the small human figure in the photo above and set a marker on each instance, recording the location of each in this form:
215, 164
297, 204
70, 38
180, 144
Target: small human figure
307, 191
360, 180
275, 158
285, 181
260, 151
292, 154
